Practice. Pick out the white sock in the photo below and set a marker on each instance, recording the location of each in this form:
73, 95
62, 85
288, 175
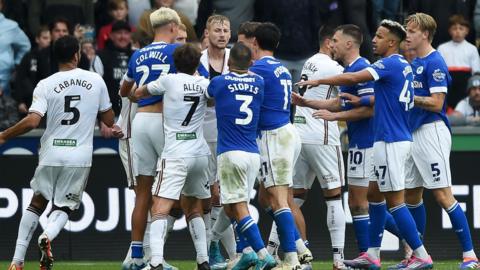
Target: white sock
199, 238
374, 252
336, 223
147, 252
220, 226
301, 248
228, 242
214, 213
421, 252
56, 222
26, 228
262, 253
273, 239
208, 228
291, 258
298, 201
157, 240
338, 255
469, 254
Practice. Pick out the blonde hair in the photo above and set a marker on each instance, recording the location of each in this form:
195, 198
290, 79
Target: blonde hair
425, 22
216, 18
164, 16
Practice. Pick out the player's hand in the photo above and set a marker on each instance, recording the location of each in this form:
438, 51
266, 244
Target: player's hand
349, 98
307, 83
105, 131
117, 132
298, 100
325, 115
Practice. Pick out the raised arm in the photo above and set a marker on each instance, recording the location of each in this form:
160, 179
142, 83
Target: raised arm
328, 104
349, 78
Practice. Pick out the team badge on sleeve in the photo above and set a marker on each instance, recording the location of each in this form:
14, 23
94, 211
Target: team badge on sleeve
438, 75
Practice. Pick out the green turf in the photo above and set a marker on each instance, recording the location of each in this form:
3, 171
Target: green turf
184, 265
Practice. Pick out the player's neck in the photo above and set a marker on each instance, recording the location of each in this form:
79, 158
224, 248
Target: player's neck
349, 58
216, 53
263, 53
162, 38
424, 50
67, 66
325, 51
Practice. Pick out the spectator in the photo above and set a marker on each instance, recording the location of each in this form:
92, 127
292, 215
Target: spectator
27, 71
14, 45
140, 39
460, 56
88, 48
47, 63
469, 107
182, 34
115, 60
118, 11
45, 11
145, 25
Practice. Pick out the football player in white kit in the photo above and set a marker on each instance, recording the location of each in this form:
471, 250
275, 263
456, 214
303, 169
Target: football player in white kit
214, 62
321, 155
72, 98
185, 155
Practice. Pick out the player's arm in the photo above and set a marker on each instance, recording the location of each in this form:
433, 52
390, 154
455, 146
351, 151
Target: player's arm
31, 121
433, 103
354, 114
327, 104
126, 87
155, 88
349, 78
108, 117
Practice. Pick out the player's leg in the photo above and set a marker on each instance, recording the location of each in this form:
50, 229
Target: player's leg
414, 192
435, 139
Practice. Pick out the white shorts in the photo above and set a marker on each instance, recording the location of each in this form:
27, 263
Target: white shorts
63, 186
212, 163
148, 140
185, 176
429, 165
279, 149
390, 164
237, 171
125, 149
360, 170
323, 161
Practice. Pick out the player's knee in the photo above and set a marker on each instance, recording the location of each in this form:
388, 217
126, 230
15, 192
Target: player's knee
358, 209
444, 197
65, 209
39, 203
413, 196
300, 194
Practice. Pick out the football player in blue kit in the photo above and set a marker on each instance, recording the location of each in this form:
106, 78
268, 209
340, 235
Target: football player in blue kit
392, 142
429, 165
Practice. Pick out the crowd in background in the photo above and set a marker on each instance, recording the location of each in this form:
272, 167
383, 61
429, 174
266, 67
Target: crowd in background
110, 30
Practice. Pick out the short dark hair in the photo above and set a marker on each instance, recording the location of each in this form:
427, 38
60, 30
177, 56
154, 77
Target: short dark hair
325, 32
240, 56
458, 19
187, 58
60, 19
353, 31
43, 28
268, 36
248, 29
65, 48
395, 28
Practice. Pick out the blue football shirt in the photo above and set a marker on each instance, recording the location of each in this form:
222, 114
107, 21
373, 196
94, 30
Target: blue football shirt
360, 133
275, 111
149, 63
430, 75
238, 98
393, 98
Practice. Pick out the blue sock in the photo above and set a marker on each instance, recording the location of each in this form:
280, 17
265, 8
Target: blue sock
406, 225
240, 241
392, 227
460, 225
286, 227
296, 233
419, 214
137, 249
249, 229
360, 225
378, 212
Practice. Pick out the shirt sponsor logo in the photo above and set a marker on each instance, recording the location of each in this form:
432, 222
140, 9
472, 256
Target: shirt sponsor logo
65, 142
300, 120
379, 65
186, 136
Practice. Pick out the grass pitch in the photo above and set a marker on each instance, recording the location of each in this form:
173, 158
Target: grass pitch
184, 265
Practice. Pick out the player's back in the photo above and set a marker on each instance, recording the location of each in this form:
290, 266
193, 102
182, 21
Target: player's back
149, 63
72, 99
361, 132
311, 130
430, 75
275, 110
393, 98
238, 98
184, 105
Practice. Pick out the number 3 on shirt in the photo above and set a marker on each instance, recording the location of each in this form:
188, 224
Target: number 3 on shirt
244, 108
287, 88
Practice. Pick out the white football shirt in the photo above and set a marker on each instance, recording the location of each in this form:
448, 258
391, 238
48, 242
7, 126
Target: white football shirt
311, 130
71, 99
184, 105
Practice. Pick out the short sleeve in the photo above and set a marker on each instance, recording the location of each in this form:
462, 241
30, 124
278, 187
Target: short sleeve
39, 100
158, 87
365, 89
105, 103
437, 76
379, 69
